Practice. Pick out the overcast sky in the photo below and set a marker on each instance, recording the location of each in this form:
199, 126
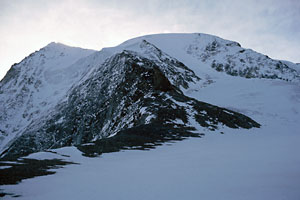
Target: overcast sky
271, 27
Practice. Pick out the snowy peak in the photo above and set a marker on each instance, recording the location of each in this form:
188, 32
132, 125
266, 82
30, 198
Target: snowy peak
127, 91
51, 57
56, 45
224, 56
61, 95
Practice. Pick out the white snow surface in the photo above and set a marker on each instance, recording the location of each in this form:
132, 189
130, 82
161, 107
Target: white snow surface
260, 163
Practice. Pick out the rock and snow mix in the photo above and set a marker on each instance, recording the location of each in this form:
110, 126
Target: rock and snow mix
151, 77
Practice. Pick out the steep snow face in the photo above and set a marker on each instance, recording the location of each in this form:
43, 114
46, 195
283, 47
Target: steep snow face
35, 85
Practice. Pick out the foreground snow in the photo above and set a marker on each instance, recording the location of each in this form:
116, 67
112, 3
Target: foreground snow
260, 165
241, 164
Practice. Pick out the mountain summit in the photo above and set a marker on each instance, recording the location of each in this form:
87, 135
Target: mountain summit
145, 89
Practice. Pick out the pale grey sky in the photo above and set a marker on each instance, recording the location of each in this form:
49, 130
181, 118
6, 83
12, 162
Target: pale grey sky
271, 27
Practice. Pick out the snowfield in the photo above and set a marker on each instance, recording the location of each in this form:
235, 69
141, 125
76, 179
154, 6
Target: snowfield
255, 164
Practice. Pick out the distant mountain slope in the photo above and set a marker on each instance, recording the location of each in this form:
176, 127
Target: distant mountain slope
63, 95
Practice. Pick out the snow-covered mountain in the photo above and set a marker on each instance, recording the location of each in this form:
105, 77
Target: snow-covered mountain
61, 96
32, 87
